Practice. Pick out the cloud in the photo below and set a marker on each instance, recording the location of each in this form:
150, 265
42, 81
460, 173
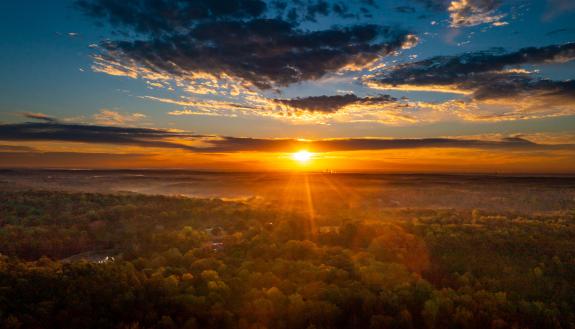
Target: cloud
105, 117
376, 109
494, 110
467, 12
232, 144
494, 85
82, 133
109, 117
236, 39
331, 104
558, 7
557, 31
15, 148
266, 53
39, 116
317, 110
473, 12
405, 9
163, 16
209, 107
485, 75
161, 138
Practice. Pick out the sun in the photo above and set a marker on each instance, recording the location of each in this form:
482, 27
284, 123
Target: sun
302, 156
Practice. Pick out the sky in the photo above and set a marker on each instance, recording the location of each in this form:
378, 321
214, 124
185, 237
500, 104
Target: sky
365, 85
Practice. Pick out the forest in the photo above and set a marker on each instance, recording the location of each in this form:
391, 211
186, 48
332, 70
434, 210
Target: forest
127, 260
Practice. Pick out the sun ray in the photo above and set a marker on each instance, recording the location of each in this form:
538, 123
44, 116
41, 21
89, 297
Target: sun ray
310, 206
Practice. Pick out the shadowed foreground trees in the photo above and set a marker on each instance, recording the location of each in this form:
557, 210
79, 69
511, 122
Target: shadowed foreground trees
190, 263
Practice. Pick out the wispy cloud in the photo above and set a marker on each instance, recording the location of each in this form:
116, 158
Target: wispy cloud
110, 117
308, 110
39, 116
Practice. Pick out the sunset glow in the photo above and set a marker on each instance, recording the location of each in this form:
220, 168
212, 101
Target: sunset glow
233, 164
235, 85
302, 156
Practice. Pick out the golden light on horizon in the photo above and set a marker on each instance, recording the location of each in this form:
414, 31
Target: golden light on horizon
302, 156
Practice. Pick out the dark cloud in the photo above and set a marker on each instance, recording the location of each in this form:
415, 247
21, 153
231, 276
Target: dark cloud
160, 138
320, 7
487, 74
370, 3
237, 40
39, 116
434, 4
232, 144
449, 69
331, 104
405, 9
557, 31
265, 52
167, 16
311, 10
90, 134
